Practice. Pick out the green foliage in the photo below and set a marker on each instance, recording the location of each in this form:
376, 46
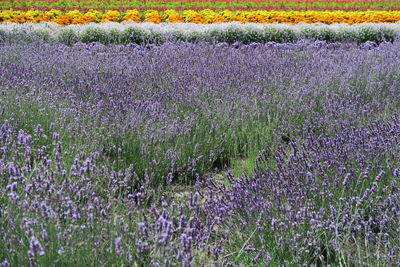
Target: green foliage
133, 35
94, 35
2, 36
375, 35
229, 33
68, 37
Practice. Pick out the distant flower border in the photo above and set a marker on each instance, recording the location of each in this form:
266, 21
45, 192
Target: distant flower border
206, 16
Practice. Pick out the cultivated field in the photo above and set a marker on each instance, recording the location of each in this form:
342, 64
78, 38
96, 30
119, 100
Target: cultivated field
122, 5
199, 133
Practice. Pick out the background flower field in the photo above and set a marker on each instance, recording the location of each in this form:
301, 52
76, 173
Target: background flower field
199, 144
122, 5
205, 16
201, 12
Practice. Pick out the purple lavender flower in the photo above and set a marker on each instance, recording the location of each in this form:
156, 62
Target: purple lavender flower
60, 251
35, 247
5, 263
118, 246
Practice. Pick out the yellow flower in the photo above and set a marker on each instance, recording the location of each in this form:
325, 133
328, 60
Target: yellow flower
111, 15
204, 16
153, 16
132, 15
74, 13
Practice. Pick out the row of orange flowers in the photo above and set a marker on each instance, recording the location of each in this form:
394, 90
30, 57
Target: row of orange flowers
205, 16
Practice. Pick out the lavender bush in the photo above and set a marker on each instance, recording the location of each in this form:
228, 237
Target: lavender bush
330, 200
109, 155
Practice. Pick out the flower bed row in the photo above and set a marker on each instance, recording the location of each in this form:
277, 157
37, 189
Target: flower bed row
150, 33
192, 4
205, 16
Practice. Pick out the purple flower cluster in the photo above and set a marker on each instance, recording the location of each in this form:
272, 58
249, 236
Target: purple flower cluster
317, 198
68, 210
99, 144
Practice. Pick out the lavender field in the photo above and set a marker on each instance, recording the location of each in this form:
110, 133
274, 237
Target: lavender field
200, 154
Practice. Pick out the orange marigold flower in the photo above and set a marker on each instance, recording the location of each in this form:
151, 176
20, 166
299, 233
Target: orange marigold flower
84, 19
198, 19
155, 18
257, 18
175, 19
238, 19
40, 18
63, 20
132, 17
218, 19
